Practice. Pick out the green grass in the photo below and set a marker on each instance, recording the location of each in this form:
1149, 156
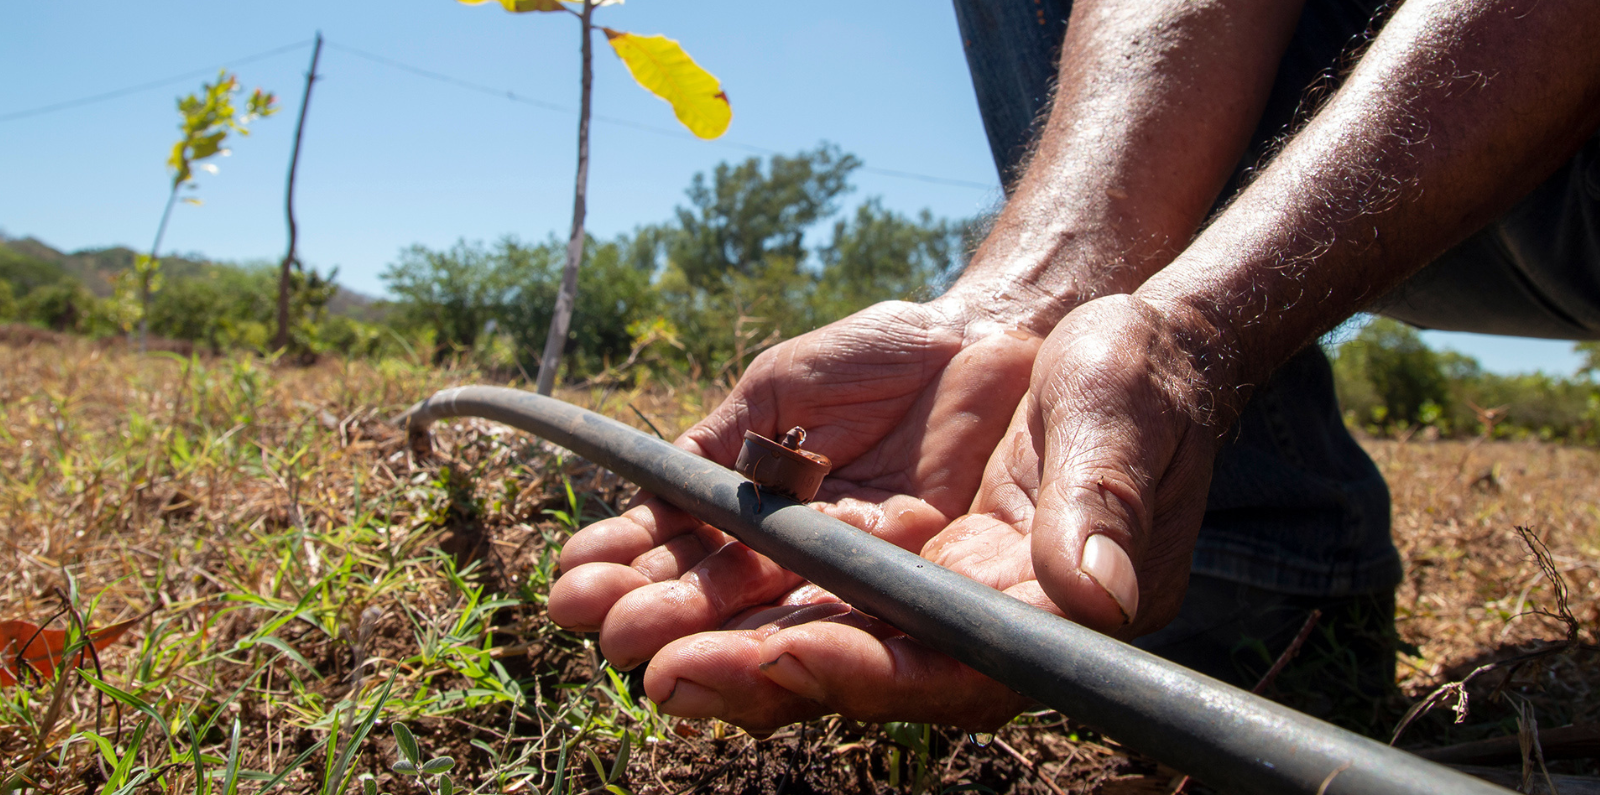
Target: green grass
307, 581
309, 587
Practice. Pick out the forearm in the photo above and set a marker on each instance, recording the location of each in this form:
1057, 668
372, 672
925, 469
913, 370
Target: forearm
1457, 110
1154, 105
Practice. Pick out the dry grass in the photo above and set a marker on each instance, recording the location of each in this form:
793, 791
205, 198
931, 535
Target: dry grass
303, 573
1474, 592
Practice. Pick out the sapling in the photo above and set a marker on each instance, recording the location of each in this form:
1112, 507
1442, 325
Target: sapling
208, 117
662, 67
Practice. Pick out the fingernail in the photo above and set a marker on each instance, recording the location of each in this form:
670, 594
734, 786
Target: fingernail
691, 700
792, 675
1110, 567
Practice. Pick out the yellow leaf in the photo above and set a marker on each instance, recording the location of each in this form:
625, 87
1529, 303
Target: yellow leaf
663, 68
519, 6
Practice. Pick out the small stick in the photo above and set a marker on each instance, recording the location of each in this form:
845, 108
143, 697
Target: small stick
1289, 653
1028, 763
1272, 673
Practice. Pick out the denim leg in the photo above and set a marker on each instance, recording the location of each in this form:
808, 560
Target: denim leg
1012, 47
1295, 505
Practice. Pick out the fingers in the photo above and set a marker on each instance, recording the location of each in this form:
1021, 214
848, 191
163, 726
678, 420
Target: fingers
652, 542
580, 600
717, 675
623, 539
852, 665
854, 673
723, 585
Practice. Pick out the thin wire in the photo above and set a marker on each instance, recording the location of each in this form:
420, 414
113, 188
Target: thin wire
122, 92
649, 128
471, 86
444, 78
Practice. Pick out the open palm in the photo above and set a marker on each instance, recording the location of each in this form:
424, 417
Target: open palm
908, 400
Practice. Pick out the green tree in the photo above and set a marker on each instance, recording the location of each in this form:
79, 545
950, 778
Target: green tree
879, 255
510, 287
731, 275
8, 303
745, 216
63, 305
458, 291
221, 308
615, 291
1590, 351
25, 274
1403, 373
734, 273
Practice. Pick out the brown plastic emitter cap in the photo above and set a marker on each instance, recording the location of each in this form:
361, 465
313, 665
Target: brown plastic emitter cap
782, 466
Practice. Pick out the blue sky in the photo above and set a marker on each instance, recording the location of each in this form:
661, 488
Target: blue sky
392, 158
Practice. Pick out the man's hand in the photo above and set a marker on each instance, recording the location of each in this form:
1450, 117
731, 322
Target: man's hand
908, 400
1088, 508
1107, 464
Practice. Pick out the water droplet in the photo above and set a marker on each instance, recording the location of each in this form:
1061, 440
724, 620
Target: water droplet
981, 739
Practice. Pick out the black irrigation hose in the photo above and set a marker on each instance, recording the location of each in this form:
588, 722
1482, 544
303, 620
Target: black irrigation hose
1224, 736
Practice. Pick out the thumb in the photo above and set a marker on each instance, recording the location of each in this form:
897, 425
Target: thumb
1112, 449
1125, 467
1123, 486
1088, 527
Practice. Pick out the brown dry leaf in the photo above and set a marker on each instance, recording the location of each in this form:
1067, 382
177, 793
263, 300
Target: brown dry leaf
44, 647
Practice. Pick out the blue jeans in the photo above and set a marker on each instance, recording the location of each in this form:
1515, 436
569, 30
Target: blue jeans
1297, 514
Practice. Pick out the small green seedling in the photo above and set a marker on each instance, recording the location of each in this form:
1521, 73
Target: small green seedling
411, 764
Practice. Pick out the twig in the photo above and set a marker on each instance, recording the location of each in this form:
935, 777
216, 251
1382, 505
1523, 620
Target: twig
1528, 744
1328, 782
1541, 554
653, 428
1272, 673
1289, 653
1541, 557
1028, 763
1578, 741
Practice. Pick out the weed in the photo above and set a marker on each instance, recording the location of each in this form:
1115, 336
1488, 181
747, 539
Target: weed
309, 583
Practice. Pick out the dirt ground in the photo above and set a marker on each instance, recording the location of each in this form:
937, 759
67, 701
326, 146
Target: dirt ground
293, 556
1473, 594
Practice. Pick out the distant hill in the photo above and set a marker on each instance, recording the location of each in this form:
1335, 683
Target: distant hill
96, 268
29, 262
